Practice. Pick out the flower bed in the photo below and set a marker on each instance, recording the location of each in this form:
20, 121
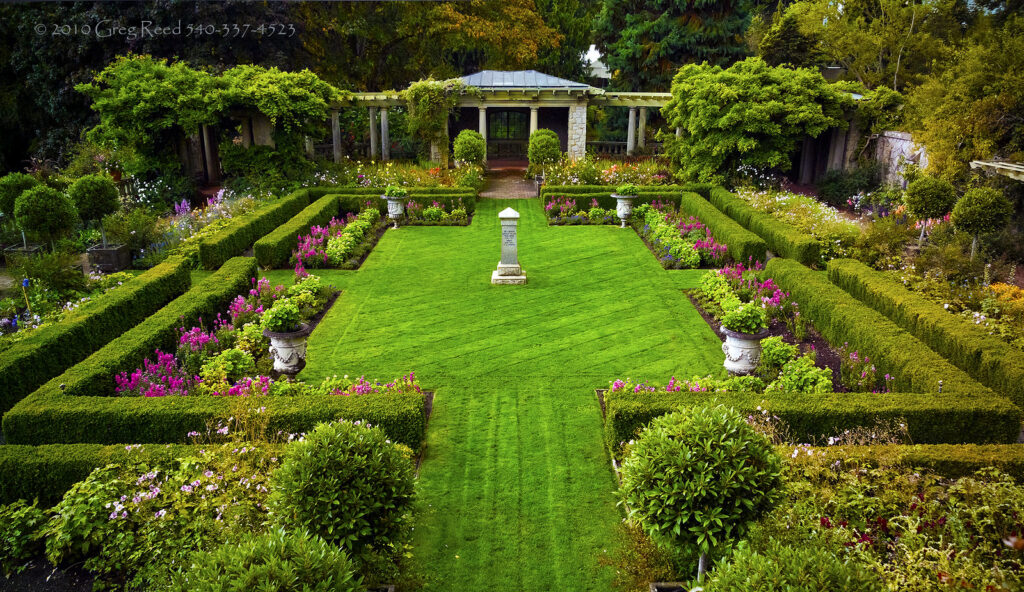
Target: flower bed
340, 244
591, 171
679, 241
436, 214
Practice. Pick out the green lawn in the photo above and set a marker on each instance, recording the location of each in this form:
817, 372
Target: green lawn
516, 487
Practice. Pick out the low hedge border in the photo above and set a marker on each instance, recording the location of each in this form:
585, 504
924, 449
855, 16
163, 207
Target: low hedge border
245, 230
51, 350
783, 239
985, 357
547, 191
274, 249
125, 353
841, 318
743, 245
948, 460
931, 418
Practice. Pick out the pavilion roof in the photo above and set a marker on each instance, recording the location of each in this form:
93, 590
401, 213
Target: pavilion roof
531, 79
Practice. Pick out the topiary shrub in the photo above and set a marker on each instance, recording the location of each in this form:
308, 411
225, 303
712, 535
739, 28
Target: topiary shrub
792, 569
695, 479
545, 148
277, 561
981, 209
45, 211
11, 186
94, 196
347, 483
929, 197
470, 147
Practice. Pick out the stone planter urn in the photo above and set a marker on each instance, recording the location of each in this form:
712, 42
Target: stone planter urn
110, 258
742, 351
539, 180
396, 207
623, 206
289, 350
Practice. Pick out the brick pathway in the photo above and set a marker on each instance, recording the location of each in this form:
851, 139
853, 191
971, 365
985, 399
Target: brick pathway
508, 184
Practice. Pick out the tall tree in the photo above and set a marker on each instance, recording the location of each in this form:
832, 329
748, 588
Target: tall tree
574, 20
644, 42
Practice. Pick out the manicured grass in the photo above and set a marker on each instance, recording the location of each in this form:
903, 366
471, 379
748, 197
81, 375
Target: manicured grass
516, 486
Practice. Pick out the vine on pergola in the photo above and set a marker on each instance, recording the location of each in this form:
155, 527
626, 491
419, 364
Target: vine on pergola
430, 103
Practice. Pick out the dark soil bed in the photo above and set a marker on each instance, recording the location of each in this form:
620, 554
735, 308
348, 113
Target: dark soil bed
40, 576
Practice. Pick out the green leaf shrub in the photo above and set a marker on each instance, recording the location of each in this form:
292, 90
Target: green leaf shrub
775, 352
470, 147
697, 479
628, 189
783, 239
228, 366
245, 230
750, 318
275, 247
95, 196
276, 561
987, 358
282, 317
45, 211
11, 187
981, 210
348, 484
395, 191
136, 228
929, 197
837, 186
20, 535
783, 568
544, 148
800, 375
51, 350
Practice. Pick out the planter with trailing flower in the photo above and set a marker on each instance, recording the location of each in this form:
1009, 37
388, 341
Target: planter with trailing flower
283, 325
396, 201
624, 196
744, 326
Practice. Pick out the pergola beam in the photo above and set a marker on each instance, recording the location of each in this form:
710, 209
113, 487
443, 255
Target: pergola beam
1013, 170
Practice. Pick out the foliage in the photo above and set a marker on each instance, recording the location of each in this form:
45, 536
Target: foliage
749, 318
11, 186
792, 569
470, 148
279, 168
800, 375
737, 116
274, 248
688, 493
228, 367
395, 191
782, 238
981, 209
274, 561
544, 149
836, 187
45, 211
430, 103
644, 43
627, 189
784, 43
929, 197
242, 231
775, 352
95, 196
293, 101
136, 228
59, 271
591, 171
346, 483
20, 535
282, 317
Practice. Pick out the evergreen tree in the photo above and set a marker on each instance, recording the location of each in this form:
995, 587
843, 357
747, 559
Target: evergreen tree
786, 44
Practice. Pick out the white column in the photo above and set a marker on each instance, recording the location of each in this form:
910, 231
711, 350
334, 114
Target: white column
385, 137
483, 121
336, 135
373, 133
631, 133
533, 119
642, 132
679, 132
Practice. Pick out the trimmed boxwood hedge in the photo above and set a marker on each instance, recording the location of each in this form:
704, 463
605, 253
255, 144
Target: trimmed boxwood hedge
783, 239
94, 375
949, 460
931, 417
986, 357
274, 249
245, 230
841, 318
547, 191
743, 245
50, 350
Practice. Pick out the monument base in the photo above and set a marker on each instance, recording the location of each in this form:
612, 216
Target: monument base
509, 269
498, 279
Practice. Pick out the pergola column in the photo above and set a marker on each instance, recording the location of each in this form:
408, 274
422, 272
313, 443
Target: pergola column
483, 121
577, 141
631, 133
642, 133
533, 119
679, 132
385, 138
373, 133
336, 135
210, 155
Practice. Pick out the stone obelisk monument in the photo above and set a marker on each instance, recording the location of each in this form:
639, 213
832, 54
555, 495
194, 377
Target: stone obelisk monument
509, 271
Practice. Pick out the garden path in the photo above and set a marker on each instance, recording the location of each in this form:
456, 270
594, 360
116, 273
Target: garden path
516, 489
508, 184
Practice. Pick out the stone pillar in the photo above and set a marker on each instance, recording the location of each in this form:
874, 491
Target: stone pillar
679, 132
385, 137
307, 144
577, 143
509, 271
373, 133
533, 119
806, 176
483, 121
631, 133
641, 140
247, 131
836, 150
263, 130
210, 155
335, 135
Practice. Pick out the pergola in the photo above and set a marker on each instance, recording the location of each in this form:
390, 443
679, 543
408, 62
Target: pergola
1013, 170
547, 100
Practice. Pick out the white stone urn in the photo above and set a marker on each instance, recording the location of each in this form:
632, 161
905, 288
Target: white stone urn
396, 207
742, 351
623, 206
289, 349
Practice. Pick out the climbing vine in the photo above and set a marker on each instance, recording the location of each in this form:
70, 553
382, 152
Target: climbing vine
430, 103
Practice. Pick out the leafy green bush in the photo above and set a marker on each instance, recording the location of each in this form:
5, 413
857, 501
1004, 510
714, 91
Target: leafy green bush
11, 187
627, 189
980, 210
544, 148
282, 317
277, 561
20, 535
749, 318
802, 376
59, 270
45, 211
696, 479
227, 367
395, 191
348, 484
792, 569
929, 197
837, 186
470, 147
95, 196
774, 354
135, 228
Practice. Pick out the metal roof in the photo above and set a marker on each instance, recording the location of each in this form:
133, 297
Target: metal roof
497, 79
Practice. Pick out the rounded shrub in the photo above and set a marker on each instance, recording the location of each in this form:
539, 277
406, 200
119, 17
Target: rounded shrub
698, 477
348, 484
277, 561
470, 147
545, 148
929, 197
792, 569
981, 209
46, 211
11, 186
95, 196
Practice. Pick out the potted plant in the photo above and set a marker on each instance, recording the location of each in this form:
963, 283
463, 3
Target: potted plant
624, 196
395, 195
46, 212
744, 326
283, 325
96, 196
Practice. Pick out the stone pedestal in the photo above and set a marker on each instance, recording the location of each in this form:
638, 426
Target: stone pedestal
509, 271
